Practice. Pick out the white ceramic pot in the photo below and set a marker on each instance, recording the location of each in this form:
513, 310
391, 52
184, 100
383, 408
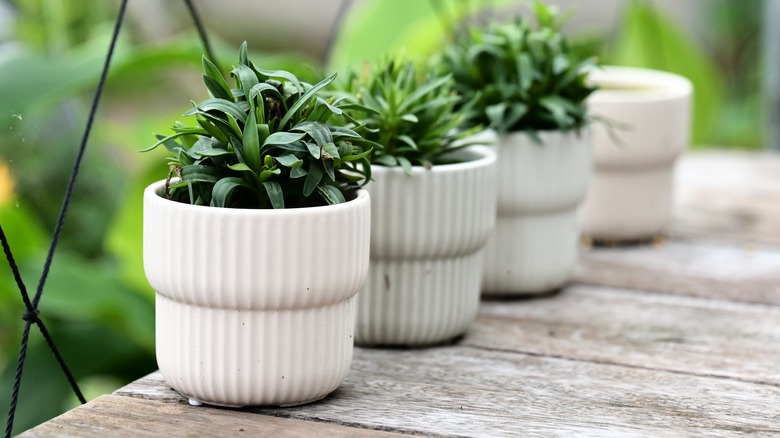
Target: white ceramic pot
631, 193
535, 245
427, 234
254, 307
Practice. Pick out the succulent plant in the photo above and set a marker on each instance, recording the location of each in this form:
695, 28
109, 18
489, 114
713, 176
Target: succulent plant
522, 78
264, 144
410, 116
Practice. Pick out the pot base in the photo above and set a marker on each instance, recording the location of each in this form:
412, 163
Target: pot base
531, 255
633, 203
418, 302
235, 357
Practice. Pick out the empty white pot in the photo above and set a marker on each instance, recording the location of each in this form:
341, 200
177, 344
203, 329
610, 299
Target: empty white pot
535, 245
631, 193
254, 307
427, 234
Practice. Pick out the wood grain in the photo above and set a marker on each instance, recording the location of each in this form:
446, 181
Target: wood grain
679, 339
466, 391
115, 416
748, 273
728, 195
664, 332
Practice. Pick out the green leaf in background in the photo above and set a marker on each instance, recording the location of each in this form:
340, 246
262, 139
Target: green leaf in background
123, 240
89, 349
374, 28
649, 39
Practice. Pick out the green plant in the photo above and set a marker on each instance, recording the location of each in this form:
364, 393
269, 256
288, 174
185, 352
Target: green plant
412, 116
264, 144
523, 78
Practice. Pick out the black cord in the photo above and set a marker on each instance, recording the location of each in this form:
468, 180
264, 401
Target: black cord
31, 315
204, 39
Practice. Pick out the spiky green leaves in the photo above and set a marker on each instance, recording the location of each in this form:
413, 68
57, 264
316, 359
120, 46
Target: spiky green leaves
264, 144
411, 116
523, 78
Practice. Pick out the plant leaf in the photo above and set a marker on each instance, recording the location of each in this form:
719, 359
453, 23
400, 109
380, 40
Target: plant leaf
240, 167
218, 87
331, 194
313, 178
198, 172
275, 194
280, 138
406, 165
297, 172
246, 77
252, 144
220, 105
289, 160
304, 99
316, 130
223, 189
281, 74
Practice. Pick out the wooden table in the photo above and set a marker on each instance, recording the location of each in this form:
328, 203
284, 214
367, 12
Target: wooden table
680, 338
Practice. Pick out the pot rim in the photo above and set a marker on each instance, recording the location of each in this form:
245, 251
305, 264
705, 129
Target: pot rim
650, 85
546, 134
153, 196
485, 157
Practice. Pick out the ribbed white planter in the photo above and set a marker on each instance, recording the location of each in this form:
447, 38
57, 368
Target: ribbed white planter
535, 245
631, 194
255, 307
427, 234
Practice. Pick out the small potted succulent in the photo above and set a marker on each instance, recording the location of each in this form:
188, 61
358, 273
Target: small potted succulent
433, 208
257, 242
531, 90
630, 198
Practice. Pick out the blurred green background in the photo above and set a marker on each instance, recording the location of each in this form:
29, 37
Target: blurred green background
97, 302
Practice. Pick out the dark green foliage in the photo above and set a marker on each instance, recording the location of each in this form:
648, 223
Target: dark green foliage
523, 78
264, 144
411, 116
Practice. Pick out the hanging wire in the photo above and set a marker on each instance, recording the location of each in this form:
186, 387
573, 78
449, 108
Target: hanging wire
341, 14
204, 39
32, 313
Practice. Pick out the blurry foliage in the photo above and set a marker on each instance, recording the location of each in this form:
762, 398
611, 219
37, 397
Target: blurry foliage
736, 48
377, 28
648, 39
725, 74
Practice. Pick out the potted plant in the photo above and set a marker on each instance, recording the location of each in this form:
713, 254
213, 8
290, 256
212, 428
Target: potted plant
630, 198
433, 203
258, 245
531, 90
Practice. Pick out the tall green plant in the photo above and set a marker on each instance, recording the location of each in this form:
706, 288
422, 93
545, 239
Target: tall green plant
264, 144
410, 115
522, 78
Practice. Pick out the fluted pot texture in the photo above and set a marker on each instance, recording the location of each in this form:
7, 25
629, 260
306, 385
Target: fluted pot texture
540, 185
648, 114
428, 230
254, 307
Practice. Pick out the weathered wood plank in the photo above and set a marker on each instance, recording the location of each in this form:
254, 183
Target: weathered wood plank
466, 391
728, 195
681, 334
115, 416
749, 273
